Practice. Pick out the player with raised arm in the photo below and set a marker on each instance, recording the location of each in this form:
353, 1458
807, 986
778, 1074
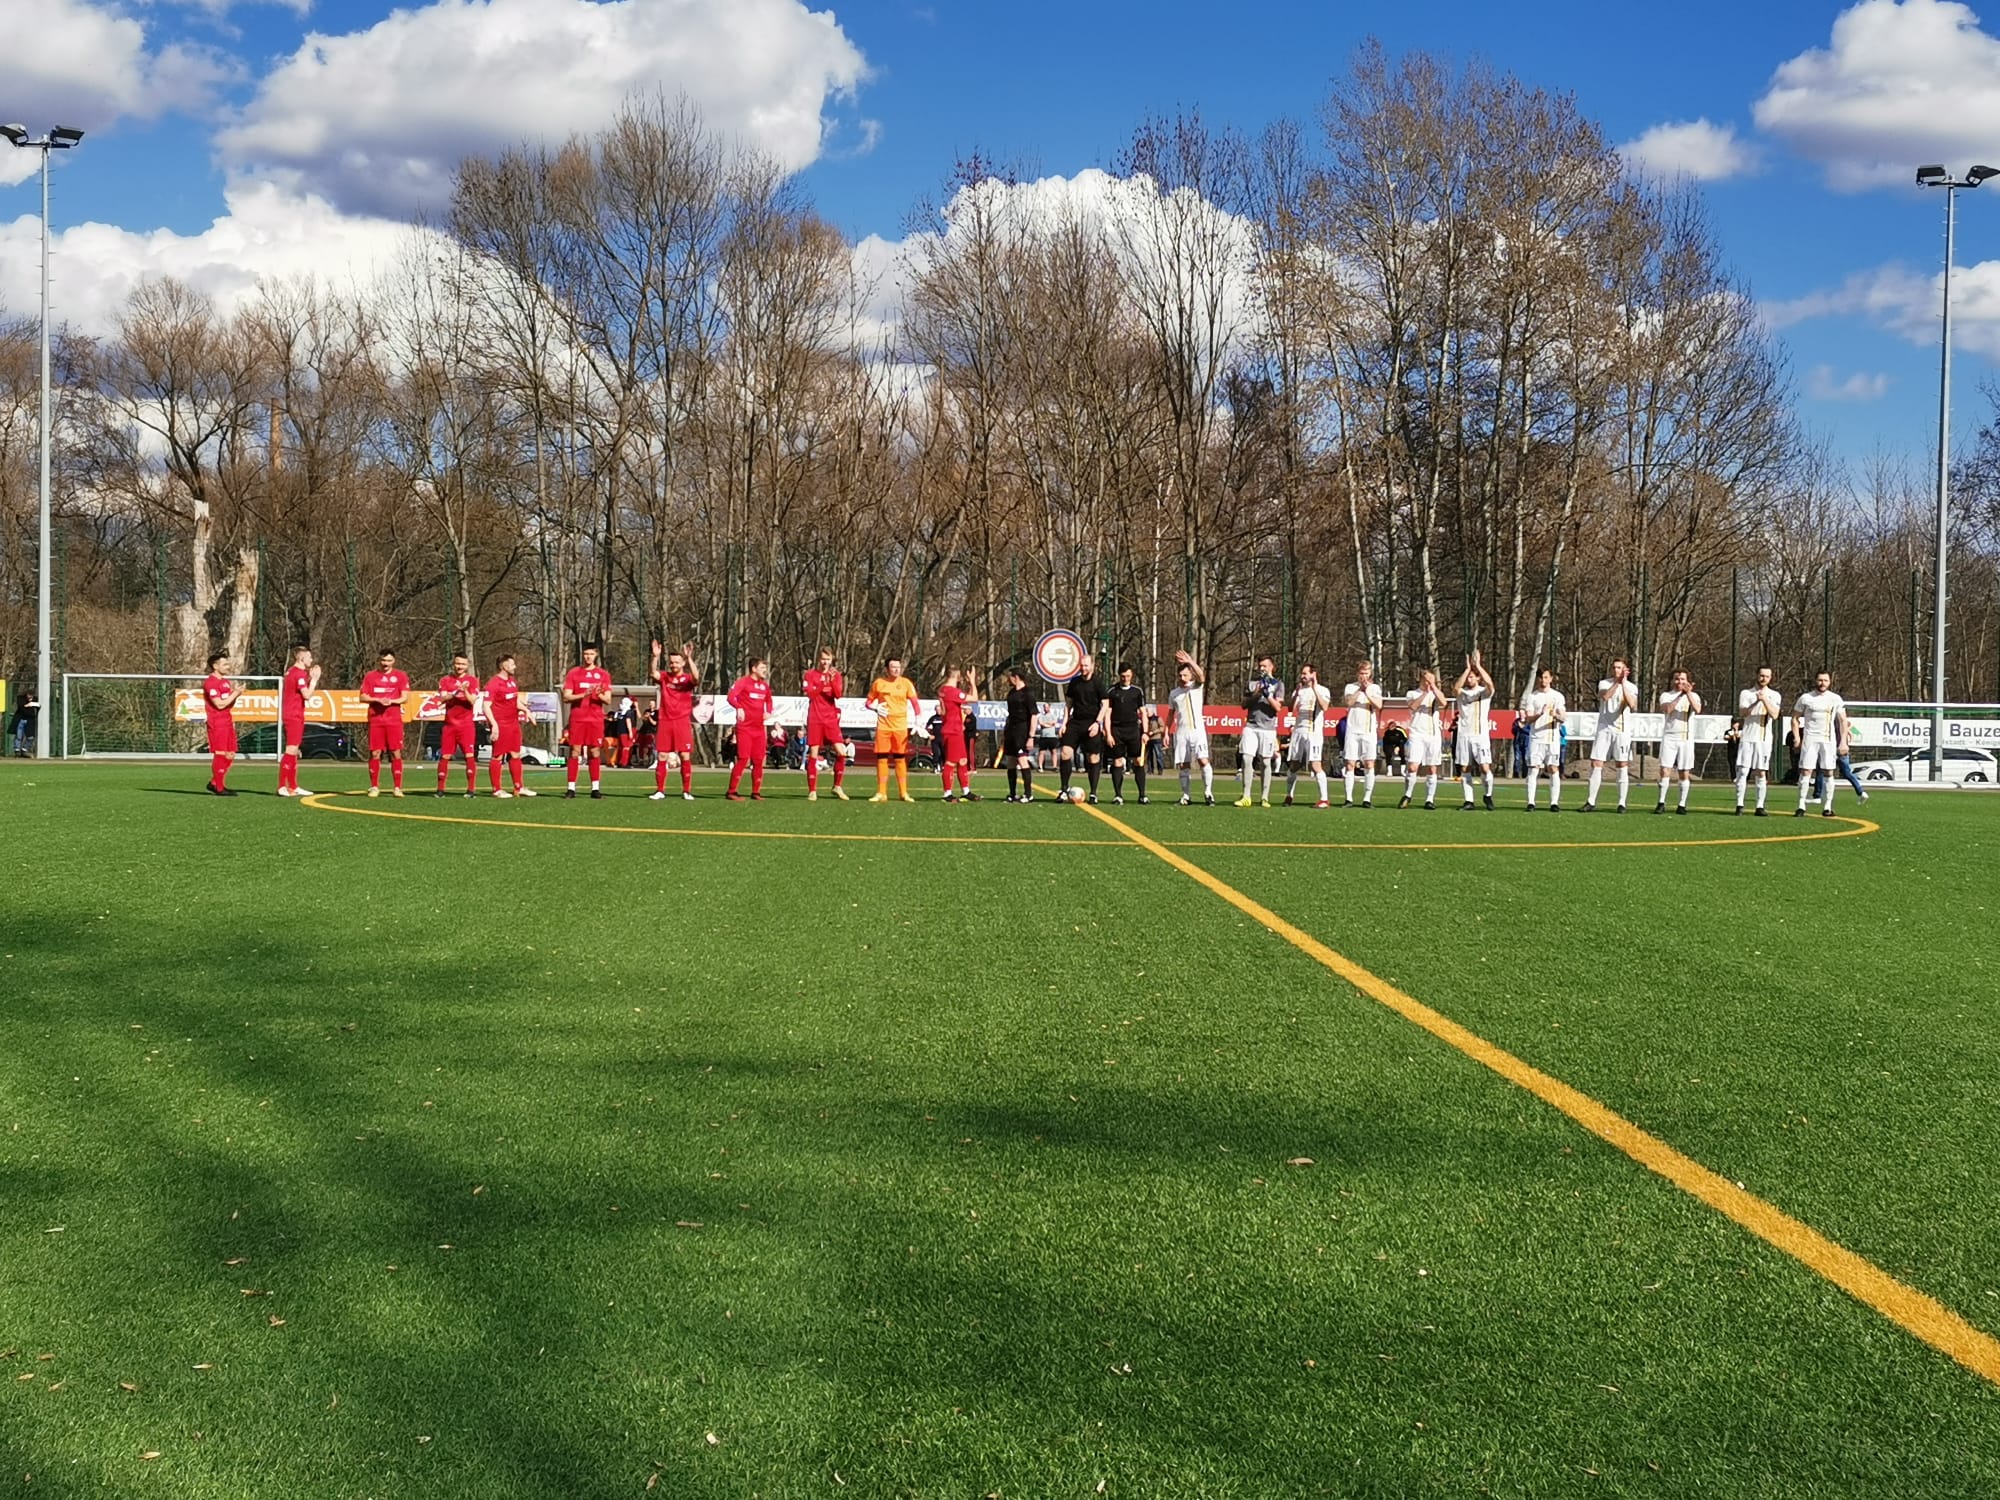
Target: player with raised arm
1617, 701
384, 690
1084, 736
1472, 726
1678, 706
1257, 746
1819, 719
1761, 707
959, 690
1017, 739
892, 698
824, 687
673, 745
1307, 747
586, 689
1544, 709
1426, 748
502, 696
1130, 718
1363, 748
460, 691
1186, 703
301, 680
218, 701
750, 696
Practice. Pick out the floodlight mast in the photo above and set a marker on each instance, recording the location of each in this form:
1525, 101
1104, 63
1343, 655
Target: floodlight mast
1937, 176
60, 138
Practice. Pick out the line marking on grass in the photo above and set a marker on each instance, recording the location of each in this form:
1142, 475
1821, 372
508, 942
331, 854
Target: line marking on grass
1857, 828
327, 802
1915, 1311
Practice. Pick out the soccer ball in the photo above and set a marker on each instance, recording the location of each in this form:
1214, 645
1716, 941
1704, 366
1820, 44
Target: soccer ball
1075, 794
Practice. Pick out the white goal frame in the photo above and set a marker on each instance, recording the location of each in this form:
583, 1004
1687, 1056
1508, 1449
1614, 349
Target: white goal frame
170, 681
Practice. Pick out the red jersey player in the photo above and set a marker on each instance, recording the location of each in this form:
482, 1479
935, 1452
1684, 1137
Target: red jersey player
824, 686
674, 744
301, 681
384, 690
961, 686
503, 718
460, 691
586, 689
218, 694
750, 696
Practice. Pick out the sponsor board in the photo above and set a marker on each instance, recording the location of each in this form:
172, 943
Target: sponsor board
1915, 733
341, 706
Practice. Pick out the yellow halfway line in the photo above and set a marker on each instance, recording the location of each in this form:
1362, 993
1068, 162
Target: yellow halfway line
326, 802
1922, 1315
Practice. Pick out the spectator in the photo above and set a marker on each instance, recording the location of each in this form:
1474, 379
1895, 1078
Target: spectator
1048, 734
1520, 743
26, 712
1395, 741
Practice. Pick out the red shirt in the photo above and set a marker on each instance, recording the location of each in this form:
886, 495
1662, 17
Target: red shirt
213, 689
390, 684
292, 694
823, 690
751, 698
458, 695
503, 694
951, 709
589, 681
677, 697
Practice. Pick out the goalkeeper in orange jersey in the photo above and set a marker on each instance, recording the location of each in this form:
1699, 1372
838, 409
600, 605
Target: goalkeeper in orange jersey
893, 698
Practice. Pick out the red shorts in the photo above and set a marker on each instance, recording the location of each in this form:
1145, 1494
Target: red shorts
385, 733
458, 739
292, 732
752, 741
955, 750
824, 731
675, 739
585, 734
222, 736
507, 740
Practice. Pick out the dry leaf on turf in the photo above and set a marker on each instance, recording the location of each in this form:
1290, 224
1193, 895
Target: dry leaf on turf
149, 1455
1299, 1161
126, 1385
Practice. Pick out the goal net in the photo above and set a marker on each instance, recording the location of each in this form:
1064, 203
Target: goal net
145, 714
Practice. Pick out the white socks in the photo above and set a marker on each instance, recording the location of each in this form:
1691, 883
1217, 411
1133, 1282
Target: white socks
1321, 776
1534, 780
1596, 782
1368, 785
1624, 783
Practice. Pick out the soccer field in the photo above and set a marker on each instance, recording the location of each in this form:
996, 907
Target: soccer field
445, 1148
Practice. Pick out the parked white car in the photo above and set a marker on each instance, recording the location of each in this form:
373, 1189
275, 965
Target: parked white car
1961, 767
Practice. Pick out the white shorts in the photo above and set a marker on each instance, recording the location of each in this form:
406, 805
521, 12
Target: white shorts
1611, 745
1425, 750
1360, 749
1305, 749
1817, 755
1256, 742
1544, 751
1676, 755
1475, 750
1752, 757
1189, 746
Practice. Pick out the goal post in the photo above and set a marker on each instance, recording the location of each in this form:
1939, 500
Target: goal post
158, 715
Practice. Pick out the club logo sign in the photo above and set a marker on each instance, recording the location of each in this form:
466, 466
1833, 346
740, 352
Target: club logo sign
1058, 655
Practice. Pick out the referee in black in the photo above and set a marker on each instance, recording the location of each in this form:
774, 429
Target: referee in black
1083, 726
1129, 714
1016, 739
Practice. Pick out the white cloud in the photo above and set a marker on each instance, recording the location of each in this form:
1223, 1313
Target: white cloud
1905, 302
267, 232
1696, 149
1902, 83
1824, 384
77, 63
377, 120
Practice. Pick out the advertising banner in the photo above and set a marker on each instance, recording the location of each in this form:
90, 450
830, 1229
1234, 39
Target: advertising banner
259, 705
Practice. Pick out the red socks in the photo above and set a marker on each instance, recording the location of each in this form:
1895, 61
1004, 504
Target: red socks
218, 770
375, 770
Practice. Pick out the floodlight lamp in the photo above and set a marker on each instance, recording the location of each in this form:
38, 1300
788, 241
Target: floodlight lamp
1979, 174
1928, 175
18, 134
65, 135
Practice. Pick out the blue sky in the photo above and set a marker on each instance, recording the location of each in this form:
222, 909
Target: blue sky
206, 110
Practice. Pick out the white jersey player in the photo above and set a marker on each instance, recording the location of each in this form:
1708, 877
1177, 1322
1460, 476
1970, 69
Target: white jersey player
1426, 748
1820, 720
1186, 703
1617, 701
1472, 728
1758, 710
1544, 709
1363, 744
1678, 706
1307, 748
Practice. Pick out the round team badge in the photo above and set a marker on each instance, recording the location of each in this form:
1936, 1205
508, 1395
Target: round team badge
1058, 655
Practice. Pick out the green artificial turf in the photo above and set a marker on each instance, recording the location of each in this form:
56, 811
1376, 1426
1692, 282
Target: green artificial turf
398, 1158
